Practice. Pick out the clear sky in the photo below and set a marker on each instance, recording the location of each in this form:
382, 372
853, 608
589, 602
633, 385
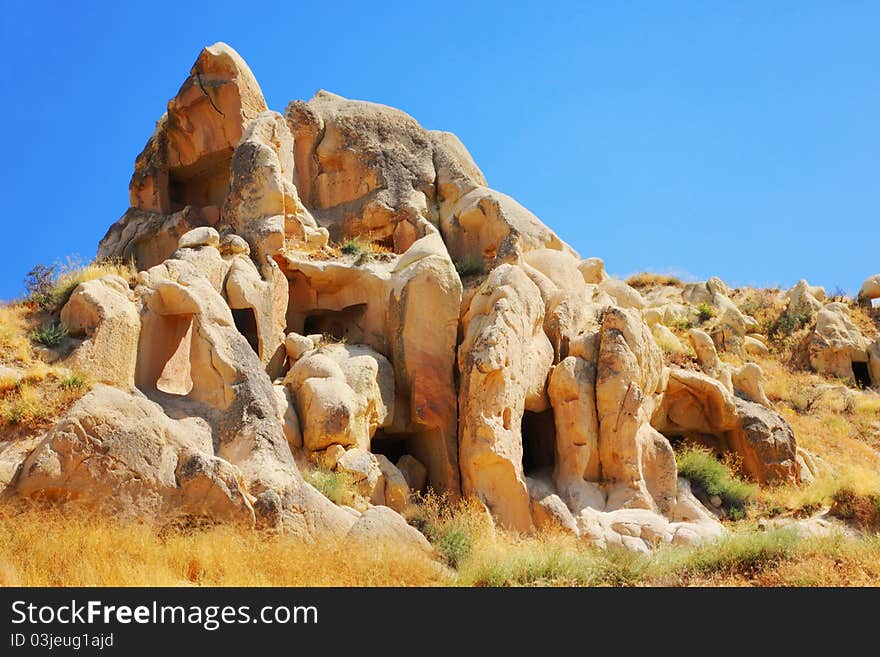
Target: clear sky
738, 139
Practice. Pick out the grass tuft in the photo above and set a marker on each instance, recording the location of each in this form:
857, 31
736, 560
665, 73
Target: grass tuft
338, 487
708, 474
647, 280
50, 334
470, 266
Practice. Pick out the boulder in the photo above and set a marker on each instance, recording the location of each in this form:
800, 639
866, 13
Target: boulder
637, 461
593, 270
625, 296
365, 472
504, 360
415, 474
870, 289
343, 394
379, 524
120, 453
396, 488
836, 343
766, 444
103, 313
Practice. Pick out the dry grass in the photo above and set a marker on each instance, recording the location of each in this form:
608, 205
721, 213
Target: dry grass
45, 548
55, 294
647, 280
15, 348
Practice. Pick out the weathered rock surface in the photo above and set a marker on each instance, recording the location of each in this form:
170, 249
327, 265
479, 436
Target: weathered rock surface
299, 300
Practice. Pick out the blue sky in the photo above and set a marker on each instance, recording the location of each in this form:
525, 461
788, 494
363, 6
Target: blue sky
732, 139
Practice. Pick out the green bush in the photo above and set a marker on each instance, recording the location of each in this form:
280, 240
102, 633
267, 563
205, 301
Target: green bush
705, 312
713, 477
73, 382
469, 266
452, 527
789, 323
338, 487
356, 246
50, 334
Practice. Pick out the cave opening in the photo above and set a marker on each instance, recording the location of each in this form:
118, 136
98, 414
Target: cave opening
246, 323
862, 375
201, 184
165, 360
392, 446
538, 442
343, 325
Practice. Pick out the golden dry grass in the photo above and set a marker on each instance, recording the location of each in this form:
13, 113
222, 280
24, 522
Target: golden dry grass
648, 280
45, 548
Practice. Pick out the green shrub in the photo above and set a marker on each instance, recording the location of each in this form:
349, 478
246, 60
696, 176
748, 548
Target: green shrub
50, 334
713, 477
705, 312
338, 487
453, 527
469, 266
73, 382
738, 553
358, 246
789, 323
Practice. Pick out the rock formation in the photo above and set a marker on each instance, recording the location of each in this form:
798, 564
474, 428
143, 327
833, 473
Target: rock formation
338, 287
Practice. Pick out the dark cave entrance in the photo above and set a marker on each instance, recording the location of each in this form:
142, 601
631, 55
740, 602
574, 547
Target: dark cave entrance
246, 323
391, 446
342, 324
538, 442
201, 184
861, 374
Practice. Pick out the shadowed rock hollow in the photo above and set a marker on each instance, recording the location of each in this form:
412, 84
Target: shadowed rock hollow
339, 286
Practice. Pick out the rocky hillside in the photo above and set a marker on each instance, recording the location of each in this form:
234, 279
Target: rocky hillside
335, 299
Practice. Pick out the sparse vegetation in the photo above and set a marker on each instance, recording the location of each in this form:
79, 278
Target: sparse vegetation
454, 528
713, 477
705, 312
50, 287
647, 280
359, 246
862, 510
50, 334
338, 487
470, 266
788, 324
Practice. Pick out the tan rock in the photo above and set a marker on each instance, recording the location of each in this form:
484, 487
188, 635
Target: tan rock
414, 472
572, 392
120, 453
396, 487
636, 460
694, 402
766, 444
593, 270
748, 380
754, 346
625, 296
287, 415
836, 343
103, 313
870, 289
365, 472
804, 299
343, 394
203, 236
504, 360
379, 524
